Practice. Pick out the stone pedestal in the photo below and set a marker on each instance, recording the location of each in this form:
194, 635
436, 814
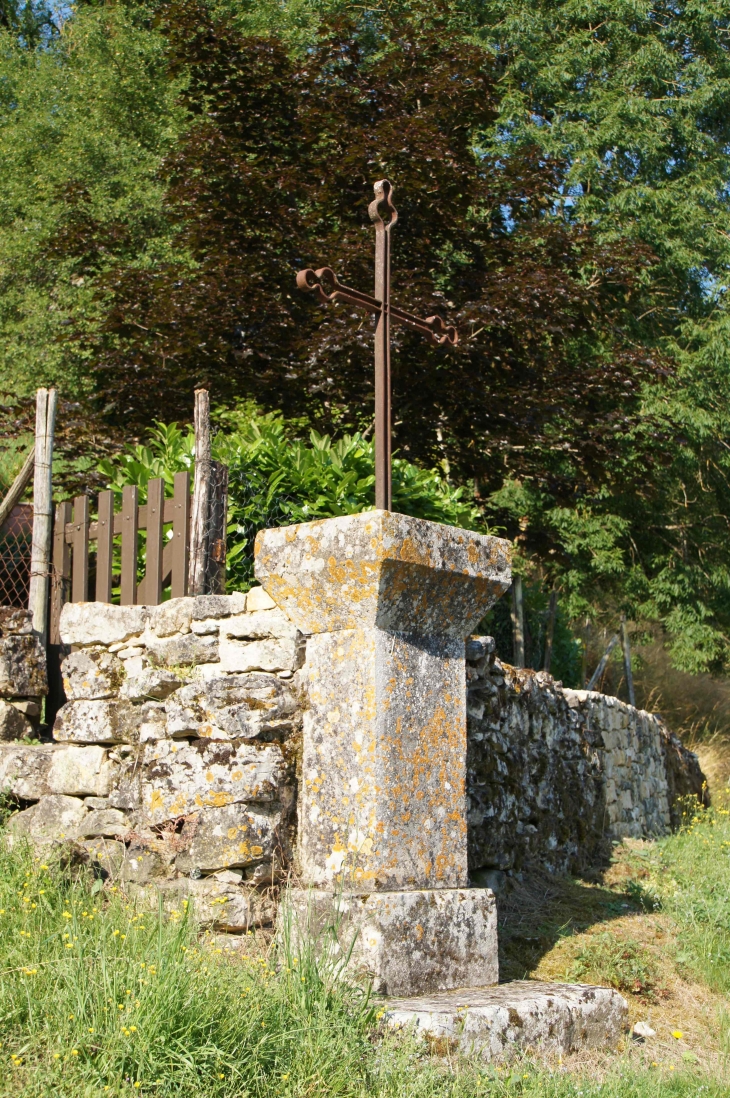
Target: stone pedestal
387, 602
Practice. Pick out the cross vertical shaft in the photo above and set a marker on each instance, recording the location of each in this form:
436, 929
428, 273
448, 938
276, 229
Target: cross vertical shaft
325, 283
383, 430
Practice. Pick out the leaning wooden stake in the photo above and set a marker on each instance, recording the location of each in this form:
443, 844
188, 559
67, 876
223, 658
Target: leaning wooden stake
518, 623
603, 663
18, 486
201, 495
626, 647
45, 419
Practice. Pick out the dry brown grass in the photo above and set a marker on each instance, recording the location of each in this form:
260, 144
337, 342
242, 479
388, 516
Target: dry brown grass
550, 926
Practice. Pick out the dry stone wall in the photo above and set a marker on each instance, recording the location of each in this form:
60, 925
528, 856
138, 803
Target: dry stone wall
23, 680
174, 760
175, 753
555, 775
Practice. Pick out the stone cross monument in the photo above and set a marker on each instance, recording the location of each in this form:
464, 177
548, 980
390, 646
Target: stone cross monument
386, 602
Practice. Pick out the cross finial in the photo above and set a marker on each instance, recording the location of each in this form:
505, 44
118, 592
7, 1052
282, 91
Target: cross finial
384, 215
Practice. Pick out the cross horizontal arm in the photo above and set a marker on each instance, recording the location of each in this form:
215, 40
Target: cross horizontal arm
328, 288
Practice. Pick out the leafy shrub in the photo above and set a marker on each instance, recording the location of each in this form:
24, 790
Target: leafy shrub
277, 478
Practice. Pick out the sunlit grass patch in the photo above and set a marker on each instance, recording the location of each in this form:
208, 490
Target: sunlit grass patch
100, 996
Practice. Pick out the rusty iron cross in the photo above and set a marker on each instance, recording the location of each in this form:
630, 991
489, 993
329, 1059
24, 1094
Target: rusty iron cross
384, 216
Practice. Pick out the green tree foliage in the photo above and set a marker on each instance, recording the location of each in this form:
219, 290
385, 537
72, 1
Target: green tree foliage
84, 121
562, 178
277, 478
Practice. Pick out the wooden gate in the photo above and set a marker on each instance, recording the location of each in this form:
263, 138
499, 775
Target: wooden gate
99, 558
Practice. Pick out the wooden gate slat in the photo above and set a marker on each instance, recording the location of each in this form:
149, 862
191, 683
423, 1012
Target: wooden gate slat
128, 591
180, 536
61, 571
104, 546
80, 584
155, 515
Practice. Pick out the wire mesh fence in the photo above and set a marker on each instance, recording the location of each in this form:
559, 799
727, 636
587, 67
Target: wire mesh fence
15, 546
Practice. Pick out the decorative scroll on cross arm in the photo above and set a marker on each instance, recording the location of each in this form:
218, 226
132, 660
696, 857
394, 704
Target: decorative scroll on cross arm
324, 281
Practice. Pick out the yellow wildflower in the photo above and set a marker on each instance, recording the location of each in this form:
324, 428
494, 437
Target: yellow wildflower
677, 1034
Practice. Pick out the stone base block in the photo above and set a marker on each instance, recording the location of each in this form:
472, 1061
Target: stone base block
497, 1022
408, 943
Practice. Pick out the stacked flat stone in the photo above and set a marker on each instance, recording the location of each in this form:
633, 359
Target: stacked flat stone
23, 680
174, 757
555, 775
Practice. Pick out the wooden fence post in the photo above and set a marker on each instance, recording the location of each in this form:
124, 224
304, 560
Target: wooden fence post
104, 547
45, 419
215, 578
80, 580
603, 662
180, 536
130, 518
60, 589
155, 516
199, 527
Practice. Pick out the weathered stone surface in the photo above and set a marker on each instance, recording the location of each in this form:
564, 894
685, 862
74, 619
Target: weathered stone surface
154, 684
34, 771
28, 706
683, 773
108, 854
263, 655
186, 650
382, 569
103, 721
148, 862
208, 627
258, 599
172, 617
22, 666
227, 907
211, 606
383, 765
85, 623
90, 674
14, 725
388, 600
235, 835
406, 942
501, 1022
103, 823
153, 722
53, 819
232, 707
172, 779
15, 622
261, 641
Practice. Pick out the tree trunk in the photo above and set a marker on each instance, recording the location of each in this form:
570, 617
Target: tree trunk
550, 632
518, 623
626, 647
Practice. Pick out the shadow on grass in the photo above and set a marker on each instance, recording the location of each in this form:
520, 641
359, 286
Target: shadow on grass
535, 913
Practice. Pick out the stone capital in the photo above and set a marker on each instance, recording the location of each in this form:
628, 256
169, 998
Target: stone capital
384, 570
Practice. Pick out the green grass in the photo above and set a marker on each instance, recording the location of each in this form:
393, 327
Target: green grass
687, 876
98, 997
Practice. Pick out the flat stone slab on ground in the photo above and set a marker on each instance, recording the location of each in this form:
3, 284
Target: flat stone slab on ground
497, 1022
